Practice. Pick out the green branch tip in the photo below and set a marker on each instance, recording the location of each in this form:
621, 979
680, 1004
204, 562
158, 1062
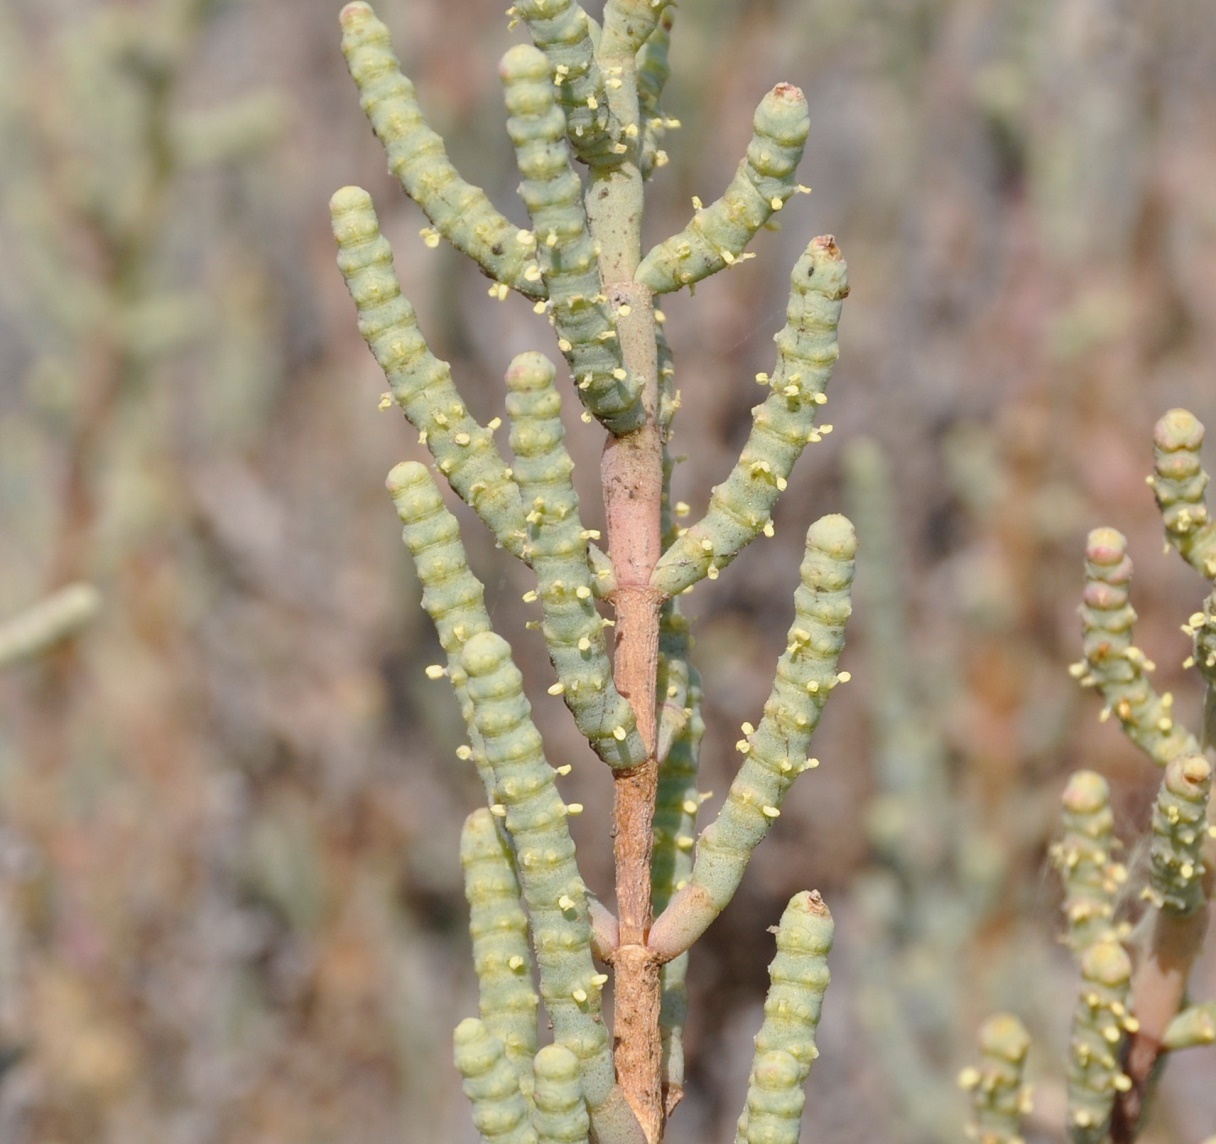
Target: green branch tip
451, 595
718, 234
798, 978
560, 1116
1179, 483
1113, 664
500, 1112
740, 509
421, 384
999, 1099
1180, 831
498, 927
461, 212
1083, 856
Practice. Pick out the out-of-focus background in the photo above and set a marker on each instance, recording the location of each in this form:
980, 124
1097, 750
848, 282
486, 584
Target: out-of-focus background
230, 905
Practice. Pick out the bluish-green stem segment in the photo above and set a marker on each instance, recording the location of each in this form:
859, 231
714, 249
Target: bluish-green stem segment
498, 926
500, 1112
535, 817
582, 317
798, 980
1091, 876
775, 752
1100, 1022
421, 383
718, 235
557, 549
999, 1098
654, 69
1180, 483
1113, 664
566, 34
1180, 832
560, 1115
741, 508
451, 594
459, 211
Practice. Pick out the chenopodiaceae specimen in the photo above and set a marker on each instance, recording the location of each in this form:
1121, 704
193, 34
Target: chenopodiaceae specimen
1134, 1004
582, 109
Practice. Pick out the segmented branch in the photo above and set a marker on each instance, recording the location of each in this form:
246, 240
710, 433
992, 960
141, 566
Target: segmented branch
775, 1100
1180, 830
1179, 483
1113, 664
535, 817
799, 978
557, 550
500, 1112
718, 234
999, 1098
654, 68
461, 212
775, 752
451, 594
421, 383
1090, 875
564, 32
502, 958
1099, 1023
560, 1116
740, 508
552, 192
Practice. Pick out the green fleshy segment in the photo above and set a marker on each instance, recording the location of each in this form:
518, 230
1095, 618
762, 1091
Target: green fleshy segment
776, 751
1099, 1023
553, 194
1180, 829
999, 1098
1194, 1027
718, 234
557, 550
653, 70
498, 927
553, 891
560, 1114
741, 507
775, 1101
459, 211
564, 32
628, 24
675, 818
500, 1112
451, 595
799, 978
422, 386
1083, 856
1117, 668
1179, 483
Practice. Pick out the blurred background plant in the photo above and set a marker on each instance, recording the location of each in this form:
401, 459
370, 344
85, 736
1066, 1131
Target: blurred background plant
229, 890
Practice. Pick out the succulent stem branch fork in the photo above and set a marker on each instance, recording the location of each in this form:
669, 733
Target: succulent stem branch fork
585, 95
